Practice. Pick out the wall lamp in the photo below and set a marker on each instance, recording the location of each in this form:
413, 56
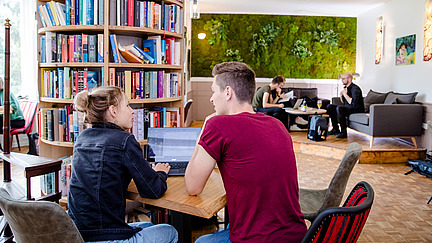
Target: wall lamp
195, 13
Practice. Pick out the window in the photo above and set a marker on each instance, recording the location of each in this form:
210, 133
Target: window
23, 69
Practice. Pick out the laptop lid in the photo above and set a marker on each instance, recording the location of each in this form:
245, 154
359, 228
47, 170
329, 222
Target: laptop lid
297, 104
172, 144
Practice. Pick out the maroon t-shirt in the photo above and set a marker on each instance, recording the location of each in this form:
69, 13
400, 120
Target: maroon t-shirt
255, 155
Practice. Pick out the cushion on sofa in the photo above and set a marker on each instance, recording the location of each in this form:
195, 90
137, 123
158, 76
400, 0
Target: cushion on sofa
398, 98
362, 118
374, 97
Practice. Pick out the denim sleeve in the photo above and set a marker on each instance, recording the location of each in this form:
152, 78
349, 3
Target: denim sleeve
150, 184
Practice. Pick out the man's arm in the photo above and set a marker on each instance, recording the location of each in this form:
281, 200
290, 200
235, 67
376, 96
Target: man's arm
198, 170
266, 104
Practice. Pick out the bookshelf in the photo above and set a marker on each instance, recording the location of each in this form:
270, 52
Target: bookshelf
53, 99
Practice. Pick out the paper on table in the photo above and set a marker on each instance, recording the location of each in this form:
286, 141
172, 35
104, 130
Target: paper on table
287, 97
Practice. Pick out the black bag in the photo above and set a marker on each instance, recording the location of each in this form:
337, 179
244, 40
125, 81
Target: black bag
423, 167
318, 128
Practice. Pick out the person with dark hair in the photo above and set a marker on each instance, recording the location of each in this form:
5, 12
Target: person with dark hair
16, 115
352, 98
255, 155
264, 102
105, 159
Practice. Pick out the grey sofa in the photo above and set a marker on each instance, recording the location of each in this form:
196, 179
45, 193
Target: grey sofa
391, 115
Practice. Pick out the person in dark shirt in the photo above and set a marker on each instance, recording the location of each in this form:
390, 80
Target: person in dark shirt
352, 98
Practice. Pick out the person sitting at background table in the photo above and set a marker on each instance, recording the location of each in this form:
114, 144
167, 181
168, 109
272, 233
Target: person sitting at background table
264, 102
105, 159
16, 115
255, 155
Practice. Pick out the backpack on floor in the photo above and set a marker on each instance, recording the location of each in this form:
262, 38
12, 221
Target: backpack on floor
318, 128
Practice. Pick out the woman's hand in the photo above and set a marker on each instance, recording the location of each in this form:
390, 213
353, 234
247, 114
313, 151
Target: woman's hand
165, 167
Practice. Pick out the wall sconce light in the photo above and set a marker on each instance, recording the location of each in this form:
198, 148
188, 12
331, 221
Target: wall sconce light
195, 13
201, 36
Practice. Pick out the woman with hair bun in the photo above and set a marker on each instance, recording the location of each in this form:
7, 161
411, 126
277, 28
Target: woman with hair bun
105, 159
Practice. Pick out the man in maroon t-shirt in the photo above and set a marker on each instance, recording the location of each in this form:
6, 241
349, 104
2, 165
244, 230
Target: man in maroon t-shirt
254, 153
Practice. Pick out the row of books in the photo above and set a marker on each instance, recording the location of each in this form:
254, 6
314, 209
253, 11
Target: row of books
65, 124
72, 12
71, 48
47, 181
60, 124
65, 83
146, 14
146, 84
156, 50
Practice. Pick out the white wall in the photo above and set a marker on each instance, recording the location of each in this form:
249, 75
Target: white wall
401, 18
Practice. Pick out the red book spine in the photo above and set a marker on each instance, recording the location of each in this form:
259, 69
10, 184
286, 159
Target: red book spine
131, 19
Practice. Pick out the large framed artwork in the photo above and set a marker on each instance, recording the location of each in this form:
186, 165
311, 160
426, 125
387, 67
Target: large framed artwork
405, 50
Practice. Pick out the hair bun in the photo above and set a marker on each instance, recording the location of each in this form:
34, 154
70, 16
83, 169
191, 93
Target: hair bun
81, 101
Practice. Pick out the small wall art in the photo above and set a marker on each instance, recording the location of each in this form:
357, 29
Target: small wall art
427, 49
405, 50
379, 40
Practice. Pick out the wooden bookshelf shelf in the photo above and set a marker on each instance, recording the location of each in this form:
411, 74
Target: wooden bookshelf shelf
132, 101
71, 64
138, 31
72, 28
55, 100
147, 66
57, 143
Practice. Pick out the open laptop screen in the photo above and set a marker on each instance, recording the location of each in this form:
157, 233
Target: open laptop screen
171, 144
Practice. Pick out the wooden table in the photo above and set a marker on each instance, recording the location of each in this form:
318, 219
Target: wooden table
298, 112
205, 205
34, 166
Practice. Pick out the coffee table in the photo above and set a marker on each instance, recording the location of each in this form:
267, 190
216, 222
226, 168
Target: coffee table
297, 112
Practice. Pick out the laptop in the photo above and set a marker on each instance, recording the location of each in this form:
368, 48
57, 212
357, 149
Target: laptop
296, 105
173, 145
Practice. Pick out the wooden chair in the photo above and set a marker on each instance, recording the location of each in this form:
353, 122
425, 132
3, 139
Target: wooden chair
38, 221
313, 202
343, 224
187, 106
29, 110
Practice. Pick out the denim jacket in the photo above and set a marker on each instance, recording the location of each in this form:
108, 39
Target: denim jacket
105, 159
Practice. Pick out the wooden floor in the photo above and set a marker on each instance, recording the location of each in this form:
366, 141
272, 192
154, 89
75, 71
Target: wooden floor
399, 212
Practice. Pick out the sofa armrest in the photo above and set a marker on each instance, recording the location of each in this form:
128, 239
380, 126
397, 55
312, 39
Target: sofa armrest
396, 119
336, 101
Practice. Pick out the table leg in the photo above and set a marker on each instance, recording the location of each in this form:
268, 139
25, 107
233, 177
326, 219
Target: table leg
183, 224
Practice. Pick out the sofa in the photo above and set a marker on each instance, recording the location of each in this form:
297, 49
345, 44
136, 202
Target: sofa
388, 115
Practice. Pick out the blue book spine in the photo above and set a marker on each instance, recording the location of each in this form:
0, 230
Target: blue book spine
41, 17
147, 56
90, 12
142, 85
50, 14
149, 46
114, 50
68, 7
43, 49
102, 81
163, 51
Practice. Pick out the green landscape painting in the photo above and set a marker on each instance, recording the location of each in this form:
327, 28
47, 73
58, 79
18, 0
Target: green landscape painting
304, 47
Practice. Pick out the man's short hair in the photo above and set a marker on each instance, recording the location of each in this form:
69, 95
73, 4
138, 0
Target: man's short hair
278, 79
239, 76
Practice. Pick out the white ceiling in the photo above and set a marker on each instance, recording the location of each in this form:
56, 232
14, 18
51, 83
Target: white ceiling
350, 8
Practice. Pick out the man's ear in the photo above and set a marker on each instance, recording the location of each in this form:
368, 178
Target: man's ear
229, 93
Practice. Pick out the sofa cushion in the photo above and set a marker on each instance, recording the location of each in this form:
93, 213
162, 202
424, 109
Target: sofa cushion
362, 118
398, 98
374, 97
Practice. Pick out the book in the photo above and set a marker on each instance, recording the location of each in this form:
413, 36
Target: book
157, 48
149, 47
100, 47
114, 48
92, 80
44, 23
129, 56
134, 49
92, 48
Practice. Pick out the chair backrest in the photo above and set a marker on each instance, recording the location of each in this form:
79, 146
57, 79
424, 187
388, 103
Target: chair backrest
187, 105
29, 110
38, 221
343, 224
337, 186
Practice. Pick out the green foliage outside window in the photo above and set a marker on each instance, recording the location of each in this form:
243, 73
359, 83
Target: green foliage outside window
295, 46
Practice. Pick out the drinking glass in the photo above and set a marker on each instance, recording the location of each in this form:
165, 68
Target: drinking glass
319, 104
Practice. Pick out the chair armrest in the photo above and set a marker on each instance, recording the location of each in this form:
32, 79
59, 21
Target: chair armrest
396, 119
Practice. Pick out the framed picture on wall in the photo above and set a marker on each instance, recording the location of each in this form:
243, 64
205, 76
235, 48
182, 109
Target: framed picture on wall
405, 50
